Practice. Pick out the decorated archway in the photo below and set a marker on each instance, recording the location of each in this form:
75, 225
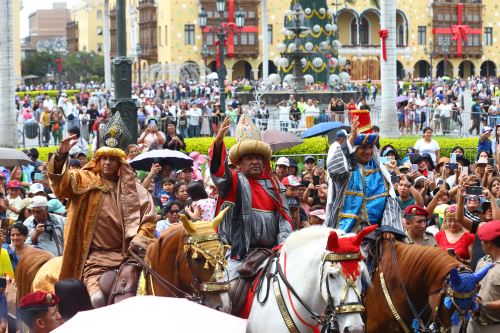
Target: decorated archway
400, 70
442, 71
488, 69
242, 69
466, 69
189, 71
421, 69
272, 69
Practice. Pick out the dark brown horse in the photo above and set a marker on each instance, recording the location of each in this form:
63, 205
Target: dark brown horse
425, 274
188, 261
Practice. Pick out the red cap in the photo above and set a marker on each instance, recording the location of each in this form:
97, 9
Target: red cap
14, 184
489, 231
290, 181
38, 300
416, 210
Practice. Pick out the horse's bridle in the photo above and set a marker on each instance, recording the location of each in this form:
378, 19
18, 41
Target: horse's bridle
328, 319
217, 260
434, 324
199, 288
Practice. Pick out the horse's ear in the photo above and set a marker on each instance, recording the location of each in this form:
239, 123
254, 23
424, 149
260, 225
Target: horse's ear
480, 275
455, 279
363, 233
218, 219
187, 224
332, 243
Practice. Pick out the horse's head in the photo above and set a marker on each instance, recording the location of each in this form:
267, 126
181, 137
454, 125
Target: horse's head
341, 276
461, 292
205, 256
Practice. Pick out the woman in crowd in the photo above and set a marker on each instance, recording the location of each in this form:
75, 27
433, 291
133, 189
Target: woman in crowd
73, 298
454, 238
428, 145
132, 151
18, 234
170, 215
152, 138
202, 207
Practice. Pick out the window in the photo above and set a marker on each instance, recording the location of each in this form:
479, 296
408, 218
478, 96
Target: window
244, 38
422, 35
159, 37
488, 36
251, 38
364, 31
99, 47
189, 34
354, 32
270, 34
210, 39
99, 31
99, 14
166, 36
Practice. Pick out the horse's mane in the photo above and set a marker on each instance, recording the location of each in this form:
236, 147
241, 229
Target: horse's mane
305, 236
154, 250
419, 266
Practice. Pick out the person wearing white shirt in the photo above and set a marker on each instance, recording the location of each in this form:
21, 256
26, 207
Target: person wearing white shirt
71, 114
310, 112
445, 112
48, 103
194, 115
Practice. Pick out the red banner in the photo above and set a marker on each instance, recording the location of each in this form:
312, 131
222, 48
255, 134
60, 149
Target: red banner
232, 28
458, 31
383, 35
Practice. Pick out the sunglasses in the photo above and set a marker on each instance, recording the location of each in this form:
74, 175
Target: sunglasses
309, 162
172, 211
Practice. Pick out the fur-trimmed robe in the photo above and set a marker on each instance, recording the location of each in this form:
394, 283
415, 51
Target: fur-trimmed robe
85, 191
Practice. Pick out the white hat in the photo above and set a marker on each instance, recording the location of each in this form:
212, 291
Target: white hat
283, 161
36, 187
38, 201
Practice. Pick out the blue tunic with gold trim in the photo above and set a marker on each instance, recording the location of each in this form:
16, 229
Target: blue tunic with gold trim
359, 192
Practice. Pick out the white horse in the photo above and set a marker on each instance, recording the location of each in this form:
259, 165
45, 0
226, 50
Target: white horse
316, 272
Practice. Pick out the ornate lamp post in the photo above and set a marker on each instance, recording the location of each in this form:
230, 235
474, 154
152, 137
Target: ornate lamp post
138, 52
431, 52
206, 53
445, 49
221, 30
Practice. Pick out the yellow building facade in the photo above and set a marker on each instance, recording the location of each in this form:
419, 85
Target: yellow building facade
421, 35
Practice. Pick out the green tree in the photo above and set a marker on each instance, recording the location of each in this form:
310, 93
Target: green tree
38, 63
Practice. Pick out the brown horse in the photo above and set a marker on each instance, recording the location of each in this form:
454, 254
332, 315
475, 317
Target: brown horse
427, 274
187, 260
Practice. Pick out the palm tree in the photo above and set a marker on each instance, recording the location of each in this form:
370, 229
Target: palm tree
388, 117
7, 81
107, 47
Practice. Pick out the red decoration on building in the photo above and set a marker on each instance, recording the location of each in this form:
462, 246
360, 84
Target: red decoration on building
232, 25
384, 34
59, 64
458, 31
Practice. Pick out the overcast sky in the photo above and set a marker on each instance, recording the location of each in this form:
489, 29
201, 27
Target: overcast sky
32, 5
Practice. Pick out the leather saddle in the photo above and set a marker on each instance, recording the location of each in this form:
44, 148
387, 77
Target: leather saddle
250, 269
122, 283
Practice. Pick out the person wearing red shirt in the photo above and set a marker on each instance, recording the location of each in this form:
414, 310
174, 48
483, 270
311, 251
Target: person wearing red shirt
454, 238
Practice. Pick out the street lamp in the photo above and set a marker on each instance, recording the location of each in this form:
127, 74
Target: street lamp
431, 52
445, 50
138, 52
222, 31
206, 53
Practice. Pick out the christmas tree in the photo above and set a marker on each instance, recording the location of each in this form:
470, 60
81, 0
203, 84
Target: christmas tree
319, 41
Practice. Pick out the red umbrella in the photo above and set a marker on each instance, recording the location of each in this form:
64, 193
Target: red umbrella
279, 140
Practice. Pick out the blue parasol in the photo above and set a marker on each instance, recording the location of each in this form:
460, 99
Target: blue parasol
324, 128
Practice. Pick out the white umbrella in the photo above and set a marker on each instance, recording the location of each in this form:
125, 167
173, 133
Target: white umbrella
10, 157
213, 76
153, 314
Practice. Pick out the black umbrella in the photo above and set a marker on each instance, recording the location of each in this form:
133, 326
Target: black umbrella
174, 158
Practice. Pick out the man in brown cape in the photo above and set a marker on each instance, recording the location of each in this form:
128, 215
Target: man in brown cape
109, 213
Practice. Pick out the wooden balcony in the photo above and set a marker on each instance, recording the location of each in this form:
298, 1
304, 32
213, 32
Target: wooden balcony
112, 32
72, 36
148, 30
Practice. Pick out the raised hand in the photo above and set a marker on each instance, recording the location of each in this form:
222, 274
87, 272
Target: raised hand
67, 144
354, 130
224, 127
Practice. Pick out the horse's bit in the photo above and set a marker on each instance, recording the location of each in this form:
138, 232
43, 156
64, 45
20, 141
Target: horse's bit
328, 319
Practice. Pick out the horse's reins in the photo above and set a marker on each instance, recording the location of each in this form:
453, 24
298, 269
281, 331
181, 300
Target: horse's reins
417, 316
331, 310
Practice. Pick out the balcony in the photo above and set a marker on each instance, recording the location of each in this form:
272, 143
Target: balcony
72, 36
148, 30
